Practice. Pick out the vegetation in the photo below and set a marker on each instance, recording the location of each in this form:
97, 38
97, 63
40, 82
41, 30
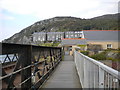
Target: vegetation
99, 56
85, 52
109, 54
49, 44
81, 45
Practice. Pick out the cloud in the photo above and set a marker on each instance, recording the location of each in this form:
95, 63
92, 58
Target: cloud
50, 8
6, 17
44, 9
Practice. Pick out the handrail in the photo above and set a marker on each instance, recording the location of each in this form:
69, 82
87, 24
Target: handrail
94, 74
103, 66
31, 62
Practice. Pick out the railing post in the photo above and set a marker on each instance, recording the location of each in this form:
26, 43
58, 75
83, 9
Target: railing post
101, 78
0, 66
54, 56
61, 54
85, 73
26, 61
51, 60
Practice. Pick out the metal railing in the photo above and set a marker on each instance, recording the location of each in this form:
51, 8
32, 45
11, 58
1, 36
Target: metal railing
94, 74
29, 67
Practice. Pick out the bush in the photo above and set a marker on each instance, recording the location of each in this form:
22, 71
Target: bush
113, 59
81, 45
55, 44
100, 56
50, 44
85, 52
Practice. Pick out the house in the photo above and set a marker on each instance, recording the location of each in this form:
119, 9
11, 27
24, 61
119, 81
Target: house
55, 36
39, 36
74, 34
94, 40
106, 39
69, 44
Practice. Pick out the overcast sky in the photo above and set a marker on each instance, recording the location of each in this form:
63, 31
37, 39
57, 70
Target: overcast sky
15, 15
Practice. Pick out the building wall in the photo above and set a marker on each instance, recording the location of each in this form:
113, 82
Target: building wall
39, 36
56, 36
115, 44
74, 34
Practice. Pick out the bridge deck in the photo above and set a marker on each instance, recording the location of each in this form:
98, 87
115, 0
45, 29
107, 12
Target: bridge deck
64, 76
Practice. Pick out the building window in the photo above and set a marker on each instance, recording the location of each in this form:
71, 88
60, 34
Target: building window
39, 39
71, 35
66, 35
34, 39
109, 46
76, 36
43, 39
53, 37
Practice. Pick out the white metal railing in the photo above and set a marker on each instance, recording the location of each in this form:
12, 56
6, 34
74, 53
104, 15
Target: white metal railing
94, 74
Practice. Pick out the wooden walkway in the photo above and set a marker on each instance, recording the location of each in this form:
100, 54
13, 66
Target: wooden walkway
64, 76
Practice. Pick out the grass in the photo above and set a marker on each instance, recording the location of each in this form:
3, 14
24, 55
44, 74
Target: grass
81, 45
49, 44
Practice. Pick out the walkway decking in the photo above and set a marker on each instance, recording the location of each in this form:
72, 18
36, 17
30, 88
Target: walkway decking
64, 76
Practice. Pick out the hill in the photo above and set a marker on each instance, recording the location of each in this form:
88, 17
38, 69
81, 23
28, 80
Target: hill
105, 22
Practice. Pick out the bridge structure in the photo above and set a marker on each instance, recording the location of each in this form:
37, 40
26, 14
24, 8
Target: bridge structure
35, 67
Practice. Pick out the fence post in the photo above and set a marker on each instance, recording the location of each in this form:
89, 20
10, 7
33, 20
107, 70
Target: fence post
61, 54
26, 61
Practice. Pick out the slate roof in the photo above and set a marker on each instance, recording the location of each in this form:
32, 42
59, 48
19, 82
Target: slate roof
73, 42
94, 35
98, 35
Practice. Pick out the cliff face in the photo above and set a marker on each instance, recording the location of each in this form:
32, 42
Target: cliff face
105, 22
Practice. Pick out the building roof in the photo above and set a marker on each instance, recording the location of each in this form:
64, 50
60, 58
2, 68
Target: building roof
55, 32
73, 42
101, 35
93, 35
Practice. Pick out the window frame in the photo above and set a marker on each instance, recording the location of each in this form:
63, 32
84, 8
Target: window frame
109, 46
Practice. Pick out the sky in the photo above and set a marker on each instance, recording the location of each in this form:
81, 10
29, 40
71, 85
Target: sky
16, 15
